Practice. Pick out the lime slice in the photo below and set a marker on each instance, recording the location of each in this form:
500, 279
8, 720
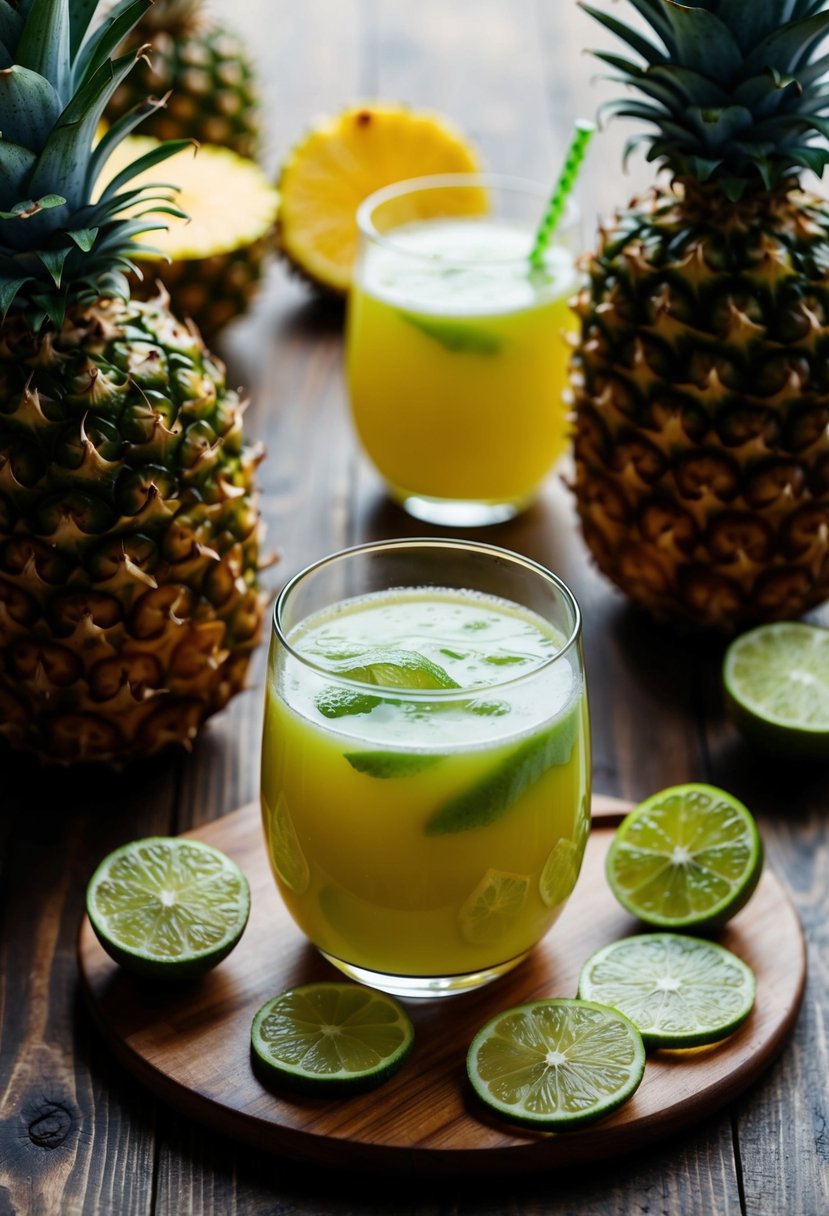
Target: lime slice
390, 668
392, 764
686, 858
456, 336
679, 991
331, 1036
556, 1064
288, 858
776, 681
493, 907
561, 870
168, 907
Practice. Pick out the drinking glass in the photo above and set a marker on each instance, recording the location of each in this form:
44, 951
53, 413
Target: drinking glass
456, 352
426, 760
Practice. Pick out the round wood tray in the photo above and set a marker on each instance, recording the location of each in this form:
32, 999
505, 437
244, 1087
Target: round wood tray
191, 1045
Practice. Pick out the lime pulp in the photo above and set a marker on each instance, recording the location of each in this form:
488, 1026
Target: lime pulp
556, 1064
776, 680
678, 990
166, 906
332, 1035
687, 857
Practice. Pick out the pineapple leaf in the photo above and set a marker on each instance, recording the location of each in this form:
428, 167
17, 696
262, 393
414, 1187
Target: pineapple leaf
81, 14
691, 87
16, 164
119, 130
720, 126
703, 42
30, 107
54, 261
6, 59
749, 22
10, 24
108, 36
654, 13
147, 161
84, 238
8, 292
638, 43
789, 47
44, 44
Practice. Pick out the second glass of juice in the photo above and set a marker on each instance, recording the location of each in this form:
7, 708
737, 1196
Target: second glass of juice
456, 351
426, 760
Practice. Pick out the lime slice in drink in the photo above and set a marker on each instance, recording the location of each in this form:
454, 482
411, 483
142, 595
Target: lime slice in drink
334, 1036
686, 858
387, 667
680, 991
387, 765
557, 1063
168, 907
286, 851
561, 870
493, 907
776, 681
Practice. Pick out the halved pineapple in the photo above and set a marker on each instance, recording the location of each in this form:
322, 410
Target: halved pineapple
217, 256
339, 163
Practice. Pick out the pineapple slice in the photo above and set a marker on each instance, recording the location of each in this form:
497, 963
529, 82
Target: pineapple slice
339, 163
217, 256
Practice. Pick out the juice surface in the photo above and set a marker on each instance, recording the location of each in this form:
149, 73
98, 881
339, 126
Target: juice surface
457, 361
427, 833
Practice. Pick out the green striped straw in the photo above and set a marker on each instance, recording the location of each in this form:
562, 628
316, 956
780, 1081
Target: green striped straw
567, 179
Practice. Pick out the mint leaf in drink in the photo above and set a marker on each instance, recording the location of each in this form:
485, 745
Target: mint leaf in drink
388, 667
341, 702
391, 764
505, 660
456, 336
489, 798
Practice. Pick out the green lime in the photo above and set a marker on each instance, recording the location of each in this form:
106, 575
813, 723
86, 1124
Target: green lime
168, 907
331, 1036
561, 870
456, 336
285, 850
688, 857
776, 680
387, 765
556, 1064
493, 907
387, 667
680, 991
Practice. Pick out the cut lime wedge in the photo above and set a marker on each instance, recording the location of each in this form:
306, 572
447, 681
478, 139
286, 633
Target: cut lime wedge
332, 1036
776, 680
492, 909
556, 1064
168, 907
386, 667
560, 873
288, 858
456, 336
688, 857
387, 765
680, 991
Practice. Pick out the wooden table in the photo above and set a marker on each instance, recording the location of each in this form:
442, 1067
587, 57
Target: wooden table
77, 1134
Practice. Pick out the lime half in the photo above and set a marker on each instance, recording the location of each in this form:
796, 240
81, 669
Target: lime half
776, 682
680, 991
168, 907
686, 858
332, 1036
556, 1064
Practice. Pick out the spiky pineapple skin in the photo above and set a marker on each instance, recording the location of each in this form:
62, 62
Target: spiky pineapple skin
129, 536
213, 94
701, 391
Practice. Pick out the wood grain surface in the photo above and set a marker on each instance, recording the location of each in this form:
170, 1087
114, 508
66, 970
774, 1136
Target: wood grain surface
78, 1135
191, 1044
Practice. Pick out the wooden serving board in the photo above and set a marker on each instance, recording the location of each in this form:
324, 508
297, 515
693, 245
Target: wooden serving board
191, 1044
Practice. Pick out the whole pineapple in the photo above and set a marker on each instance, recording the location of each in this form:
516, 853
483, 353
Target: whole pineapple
702, 380
128, 520
207, 73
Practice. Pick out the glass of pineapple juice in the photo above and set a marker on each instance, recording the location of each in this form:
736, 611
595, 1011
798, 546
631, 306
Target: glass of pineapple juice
425, 760
456, 352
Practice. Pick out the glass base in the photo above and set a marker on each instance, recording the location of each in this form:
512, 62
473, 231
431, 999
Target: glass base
457, 512
423, 987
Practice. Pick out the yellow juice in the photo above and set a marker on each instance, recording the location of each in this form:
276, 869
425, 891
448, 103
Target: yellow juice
457, 360
420, 832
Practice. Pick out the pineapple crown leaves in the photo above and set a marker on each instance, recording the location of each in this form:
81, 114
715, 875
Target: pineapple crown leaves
735, 89
59, 243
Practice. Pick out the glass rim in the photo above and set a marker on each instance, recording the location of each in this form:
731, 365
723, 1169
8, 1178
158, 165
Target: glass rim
504, 182
436, 543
